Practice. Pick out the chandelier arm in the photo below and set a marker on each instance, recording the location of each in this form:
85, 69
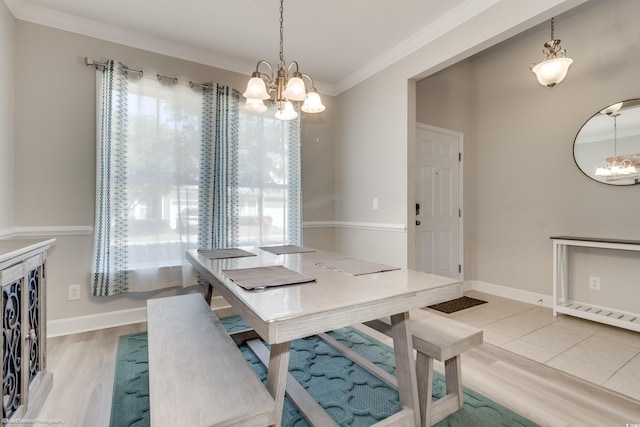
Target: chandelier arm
310, 79
270, 79
296, 73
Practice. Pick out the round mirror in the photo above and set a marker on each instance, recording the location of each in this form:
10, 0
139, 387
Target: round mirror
607, 146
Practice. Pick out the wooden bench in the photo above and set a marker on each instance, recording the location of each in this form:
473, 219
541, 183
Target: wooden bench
197, 375
442, 339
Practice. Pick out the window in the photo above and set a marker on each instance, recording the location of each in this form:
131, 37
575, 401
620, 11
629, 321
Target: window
177, 169
266, 148
163, 148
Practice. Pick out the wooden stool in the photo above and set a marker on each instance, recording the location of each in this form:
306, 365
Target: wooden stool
442, 339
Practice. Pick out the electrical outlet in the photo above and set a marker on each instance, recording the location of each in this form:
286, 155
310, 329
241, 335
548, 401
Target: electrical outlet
73, 292
594, 283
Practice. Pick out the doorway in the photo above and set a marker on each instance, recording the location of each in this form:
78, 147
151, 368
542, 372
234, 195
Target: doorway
438, 242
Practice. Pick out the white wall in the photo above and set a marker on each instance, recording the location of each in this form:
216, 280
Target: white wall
55, 138
522, 185
7, 133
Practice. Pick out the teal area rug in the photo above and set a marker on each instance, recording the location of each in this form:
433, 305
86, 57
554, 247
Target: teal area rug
350, 394
130, 404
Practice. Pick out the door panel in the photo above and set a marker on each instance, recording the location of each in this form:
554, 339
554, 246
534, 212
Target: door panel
437, 192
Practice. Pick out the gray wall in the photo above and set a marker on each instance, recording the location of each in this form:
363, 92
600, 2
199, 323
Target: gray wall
7, 76
55, 138
375, 130
520, 180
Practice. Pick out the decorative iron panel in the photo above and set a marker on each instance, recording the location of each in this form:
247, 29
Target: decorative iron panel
12, 349
34, 324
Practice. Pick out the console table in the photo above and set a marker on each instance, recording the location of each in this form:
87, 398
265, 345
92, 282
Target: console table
25, 380
562, 303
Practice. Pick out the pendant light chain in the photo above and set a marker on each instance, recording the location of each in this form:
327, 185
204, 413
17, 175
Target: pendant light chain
282, 63
552, 38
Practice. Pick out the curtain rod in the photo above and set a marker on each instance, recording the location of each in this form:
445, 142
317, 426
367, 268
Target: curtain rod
90, 62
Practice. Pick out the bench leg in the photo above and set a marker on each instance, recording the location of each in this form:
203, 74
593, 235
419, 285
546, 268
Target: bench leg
452, 372
424, 371
277, 376
432, 412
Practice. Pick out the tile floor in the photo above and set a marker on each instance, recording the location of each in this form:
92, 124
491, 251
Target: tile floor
601, 354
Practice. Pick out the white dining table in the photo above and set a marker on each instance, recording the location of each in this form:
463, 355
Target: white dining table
334, 300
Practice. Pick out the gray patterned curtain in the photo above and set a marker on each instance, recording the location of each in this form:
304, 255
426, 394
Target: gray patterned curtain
110, 268
218, 192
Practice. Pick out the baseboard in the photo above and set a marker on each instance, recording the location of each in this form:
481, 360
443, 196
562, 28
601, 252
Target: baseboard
511, 293
6, 232
94, 322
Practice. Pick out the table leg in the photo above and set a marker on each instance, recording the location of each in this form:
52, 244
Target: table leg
208, 293
405, 365
277, 376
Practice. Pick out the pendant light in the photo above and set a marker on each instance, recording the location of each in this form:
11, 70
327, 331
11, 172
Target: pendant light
288, 85
555, 66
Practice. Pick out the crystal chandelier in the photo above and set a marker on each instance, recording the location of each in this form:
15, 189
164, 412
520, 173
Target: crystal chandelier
288, 85
616, 168
553, 69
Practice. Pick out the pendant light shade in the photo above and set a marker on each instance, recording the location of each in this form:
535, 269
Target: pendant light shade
295, 90
256, 89
254, 105
552, 71
312, 104
287, 112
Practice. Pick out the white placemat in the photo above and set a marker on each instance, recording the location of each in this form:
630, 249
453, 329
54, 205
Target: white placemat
355, 267
224, 253
286, 249
257, 278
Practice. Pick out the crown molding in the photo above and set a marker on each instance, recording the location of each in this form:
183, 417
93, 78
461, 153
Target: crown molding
25, 11
428, 34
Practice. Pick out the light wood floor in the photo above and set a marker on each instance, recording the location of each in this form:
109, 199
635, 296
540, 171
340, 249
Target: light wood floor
83, 368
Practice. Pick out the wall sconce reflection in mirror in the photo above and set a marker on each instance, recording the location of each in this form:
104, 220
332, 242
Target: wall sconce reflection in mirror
607, 146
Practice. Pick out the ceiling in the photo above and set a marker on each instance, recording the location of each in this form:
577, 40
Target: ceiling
337, 42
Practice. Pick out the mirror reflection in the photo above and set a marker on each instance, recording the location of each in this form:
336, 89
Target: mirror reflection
607, 147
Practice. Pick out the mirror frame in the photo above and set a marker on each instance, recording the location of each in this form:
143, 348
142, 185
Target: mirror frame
594, 120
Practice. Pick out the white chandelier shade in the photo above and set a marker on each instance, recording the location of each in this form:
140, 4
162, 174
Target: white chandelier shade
287, 112
256, 89
254, 105
313, 104
552, 71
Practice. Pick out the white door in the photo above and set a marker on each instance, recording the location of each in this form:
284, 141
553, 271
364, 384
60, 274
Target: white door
438, 206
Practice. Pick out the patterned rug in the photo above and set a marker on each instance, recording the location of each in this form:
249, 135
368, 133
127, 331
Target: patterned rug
351, 395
